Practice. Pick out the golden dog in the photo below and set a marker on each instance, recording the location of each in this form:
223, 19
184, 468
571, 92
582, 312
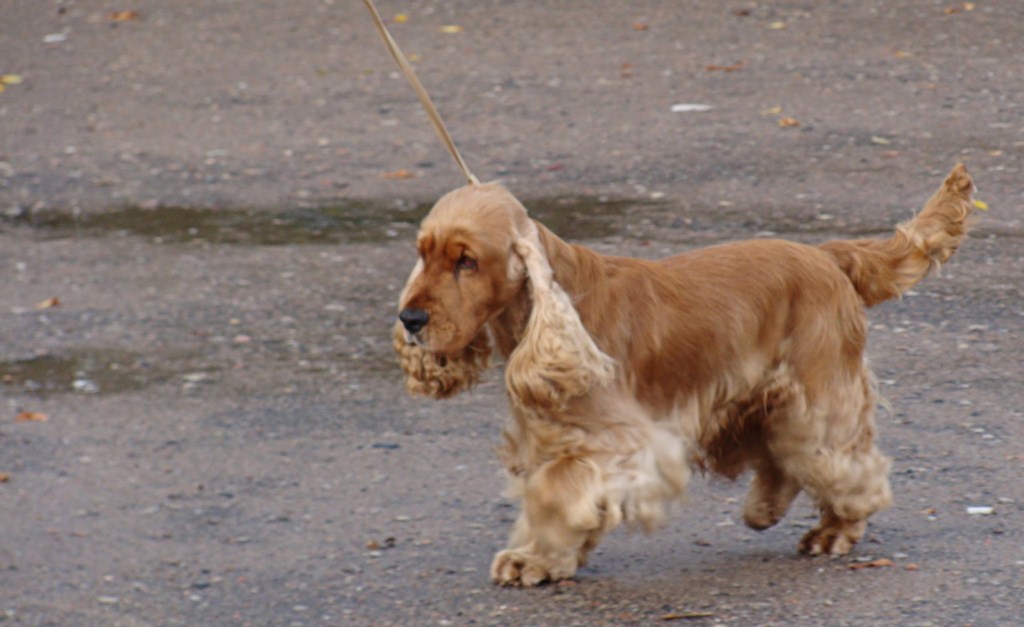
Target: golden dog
626, 374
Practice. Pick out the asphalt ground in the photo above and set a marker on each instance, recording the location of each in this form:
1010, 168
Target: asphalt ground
207, 212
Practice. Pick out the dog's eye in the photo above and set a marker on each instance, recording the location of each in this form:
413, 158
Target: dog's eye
466, 262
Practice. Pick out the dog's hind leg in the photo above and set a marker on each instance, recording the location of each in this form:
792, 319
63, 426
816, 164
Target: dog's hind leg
841, 468
771, 493
857, 488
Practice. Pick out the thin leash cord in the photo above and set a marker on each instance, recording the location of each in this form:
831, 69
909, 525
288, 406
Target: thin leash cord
435, 117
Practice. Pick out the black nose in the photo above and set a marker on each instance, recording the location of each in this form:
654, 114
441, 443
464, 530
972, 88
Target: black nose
414, 319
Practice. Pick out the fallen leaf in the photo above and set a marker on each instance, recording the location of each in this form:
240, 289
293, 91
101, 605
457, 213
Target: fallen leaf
9, 79
881, 141
639, 26
879, 563
787, 122
49, 303
123, 16
451, 29
735, 67
386, 543
966, 6
32, 416
931, 511
742, 12
4, 477
398, 174
980, 204
911, 567
772, 111
401, 18
777, 25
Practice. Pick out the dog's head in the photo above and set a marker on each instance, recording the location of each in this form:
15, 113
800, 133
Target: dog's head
467, 273
478, 252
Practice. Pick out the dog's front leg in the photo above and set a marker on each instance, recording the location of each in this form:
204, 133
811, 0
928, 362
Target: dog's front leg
563, 517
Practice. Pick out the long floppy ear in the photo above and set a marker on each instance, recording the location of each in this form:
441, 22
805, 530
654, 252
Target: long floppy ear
439, 376
556, 360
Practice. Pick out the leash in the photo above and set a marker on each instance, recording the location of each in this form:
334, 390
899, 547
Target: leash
406, 67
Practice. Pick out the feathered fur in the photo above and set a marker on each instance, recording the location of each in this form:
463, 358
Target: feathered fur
626, 374
884, 269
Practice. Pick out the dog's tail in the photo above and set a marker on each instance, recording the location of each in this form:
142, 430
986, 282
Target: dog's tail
881, 269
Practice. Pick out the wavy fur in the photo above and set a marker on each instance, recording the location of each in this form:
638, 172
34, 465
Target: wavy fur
440, 376
556, 360
884, 269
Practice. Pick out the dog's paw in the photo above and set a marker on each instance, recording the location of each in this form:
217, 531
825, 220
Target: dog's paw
836, 538
760, 516
518, 567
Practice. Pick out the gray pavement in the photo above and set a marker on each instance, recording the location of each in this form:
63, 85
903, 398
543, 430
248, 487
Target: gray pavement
222, 197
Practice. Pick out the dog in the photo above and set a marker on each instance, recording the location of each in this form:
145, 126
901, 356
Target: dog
627, 375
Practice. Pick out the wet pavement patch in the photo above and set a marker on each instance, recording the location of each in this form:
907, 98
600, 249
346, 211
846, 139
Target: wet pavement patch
585, 217
577, 217
175, 225
82, 371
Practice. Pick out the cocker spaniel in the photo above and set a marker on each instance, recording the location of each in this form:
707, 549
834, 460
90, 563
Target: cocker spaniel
625, 375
